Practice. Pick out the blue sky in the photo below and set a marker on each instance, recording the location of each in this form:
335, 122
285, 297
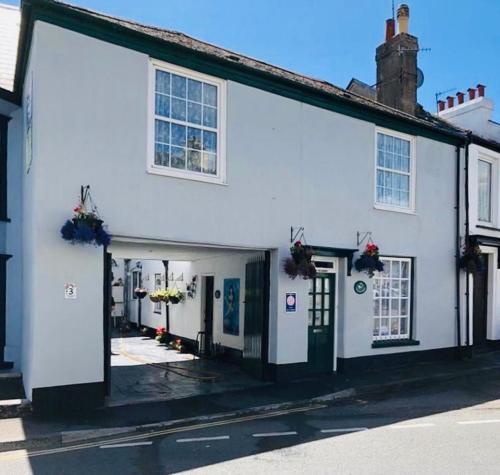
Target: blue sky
336, 39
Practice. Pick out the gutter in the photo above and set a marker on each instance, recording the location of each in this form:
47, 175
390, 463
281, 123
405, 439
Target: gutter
468, 141
457, 252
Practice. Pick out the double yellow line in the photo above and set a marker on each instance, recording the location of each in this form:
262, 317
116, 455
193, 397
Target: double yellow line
21, 454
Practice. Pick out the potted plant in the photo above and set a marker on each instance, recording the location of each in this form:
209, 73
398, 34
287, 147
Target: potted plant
175, 296
140, 292
369, 261
161, 335
85, 227
470, 260
300, 262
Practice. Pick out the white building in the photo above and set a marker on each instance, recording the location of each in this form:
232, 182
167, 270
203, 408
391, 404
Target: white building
215, 163
482, 223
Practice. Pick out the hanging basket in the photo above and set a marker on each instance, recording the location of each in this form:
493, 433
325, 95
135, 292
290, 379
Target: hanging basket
86, 227
369, 261
471, 259
140, 292
300, 262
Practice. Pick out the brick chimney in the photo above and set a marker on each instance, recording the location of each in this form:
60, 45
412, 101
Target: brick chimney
397, 66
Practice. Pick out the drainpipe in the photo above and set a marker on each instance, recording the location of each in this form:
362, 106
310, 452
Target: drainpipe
457, 252
467, 234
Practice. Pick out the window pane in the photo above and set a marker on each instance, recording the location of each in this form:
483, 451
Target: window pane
404, 307
162, 155
194, 138
384, 326
178, 109
209, 141
404, 270
209, 163
385, 307
317, 321
376, 327
178, 159
376, 308
403, 328
194, 112
395, 268
194, 90
178, 135
209, 117
394, 326
178, 86
395, 307
162, 132
162, 105
484, 190
162, 82
404, 288
194, 161
209, 95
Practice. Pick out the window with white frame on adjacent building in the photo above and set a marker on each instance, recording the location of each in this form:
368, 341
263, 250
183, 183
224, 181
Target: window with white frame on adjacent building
187, 124
394, 172
392, 299
484, 176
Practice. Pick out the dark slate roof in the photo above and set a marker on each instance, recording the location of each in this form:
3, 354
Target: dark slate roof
222, 54
362, 89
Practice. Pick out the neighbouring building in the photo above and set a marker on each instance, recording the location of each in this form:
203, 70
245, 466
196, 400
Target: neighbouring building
207, 166
474, 112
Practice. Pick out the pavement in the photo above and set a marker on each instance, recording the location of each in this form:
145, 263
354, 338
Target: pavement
453, 427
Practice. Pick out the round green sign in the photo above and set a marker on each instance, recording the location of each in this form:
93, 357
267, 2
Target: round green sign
360, 287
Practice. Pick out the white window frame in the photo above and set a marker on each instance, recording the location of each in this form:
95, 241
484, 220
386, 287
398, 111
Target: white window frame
413, 169
492, 162
220, 178
408, 335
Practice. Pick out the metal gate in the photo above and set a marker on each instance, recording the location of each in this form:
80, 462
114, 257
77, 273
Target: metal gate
256, 325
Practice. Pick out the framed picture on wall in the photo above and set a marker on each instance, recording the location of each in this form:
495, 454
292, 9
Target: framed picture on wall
231, 308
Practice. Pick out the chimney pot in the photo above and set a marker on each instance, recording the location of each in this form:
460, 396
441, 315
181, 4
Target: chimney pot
390, 29
441, 105
472, 93
451, 101
460, 97
480, 90
403, 16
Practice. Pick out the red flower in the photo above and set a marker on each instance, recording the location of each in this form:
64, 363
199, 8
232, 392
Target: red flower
371, 247
298, 244
77, 209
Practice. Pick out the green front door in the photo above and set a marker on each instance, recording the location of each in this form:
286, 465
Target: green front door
321, 320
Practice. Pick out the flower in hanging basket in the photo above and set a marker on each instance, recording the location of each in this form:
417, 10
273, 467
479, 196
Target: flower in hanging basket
159, 296
470, 260
300, 262
369, 261
85, 227
175, 296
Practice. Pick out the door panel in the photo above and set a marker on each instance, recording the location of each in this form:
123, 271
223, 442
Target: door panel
320, 323
480, 300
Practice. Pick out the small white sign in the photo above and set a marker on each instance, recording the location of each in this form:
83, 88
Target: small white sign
70, 291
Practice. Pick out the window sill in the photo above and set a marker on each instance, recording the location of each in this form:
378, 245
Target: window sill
162, 171
394, 209
391, 343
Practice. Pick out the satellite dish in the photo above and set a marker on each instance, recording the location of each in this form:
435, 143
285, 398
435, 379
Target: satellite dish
420, 77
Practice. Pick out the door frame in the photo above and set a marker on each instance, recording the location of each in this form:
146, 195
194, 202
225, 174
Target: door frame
492, 255
336, 271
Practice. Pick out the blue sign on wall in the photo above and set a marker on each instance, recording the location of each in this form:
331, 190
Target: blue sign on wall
291, 302
231, 319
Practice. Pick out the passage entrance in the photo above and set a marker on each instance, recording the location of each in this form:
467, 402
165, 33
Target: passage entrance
321, 321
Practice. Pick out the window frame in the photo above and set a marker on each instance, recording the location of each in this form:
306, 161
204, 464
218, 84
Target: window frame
221, 85
492, 163
380, 340
413, 168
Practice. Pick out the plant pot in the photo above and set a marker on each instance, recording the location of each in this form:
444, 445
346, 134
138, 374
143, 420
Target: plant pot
174, 300
154, 299
141, 293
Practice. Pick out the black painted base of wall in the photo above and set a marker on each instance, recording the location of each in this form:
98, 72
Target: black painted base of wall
394, 360
286, 372
68, 400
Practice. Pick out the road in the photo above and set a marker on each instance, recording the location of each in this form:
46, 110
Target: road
450, 428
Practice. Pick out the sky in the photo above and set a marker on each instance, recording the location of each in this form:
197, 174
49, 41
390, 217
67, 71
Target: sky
335, 40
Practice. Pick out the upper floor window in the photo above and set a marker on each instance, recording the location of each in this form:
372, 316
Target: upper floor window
484, 170
394, 172
187, 124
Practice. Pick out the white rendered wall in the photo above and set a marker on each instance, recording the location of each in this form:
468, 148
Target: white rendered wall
288, 164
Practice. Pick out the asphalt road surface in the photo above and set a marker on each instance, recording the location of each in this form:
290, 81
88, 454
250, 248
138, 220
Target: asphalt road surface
449, 428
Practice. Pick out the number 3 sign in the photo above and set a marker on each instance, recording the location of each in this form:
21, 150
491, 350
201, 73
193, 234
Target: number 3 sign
70, 291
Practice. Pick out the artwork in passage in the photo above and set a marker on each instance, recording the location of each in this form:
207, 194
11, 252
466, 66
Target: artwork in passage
231, 320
